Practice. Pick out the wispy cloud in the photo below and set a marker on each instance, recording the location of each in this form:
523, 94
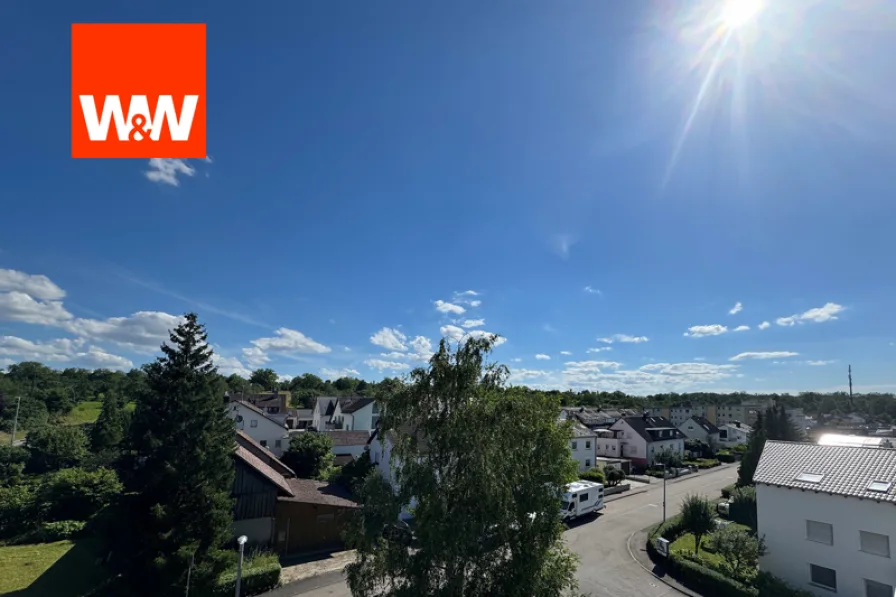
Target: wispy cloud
737, 308
701, 331
624, 338
601, 349
764, 325
562, 244
763, 355
818, 315
741, 328
591, 290
166, 171
543, 357
446, 307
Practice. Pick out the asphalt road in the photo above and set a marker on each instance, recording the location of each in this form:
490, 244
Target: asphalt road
606, 568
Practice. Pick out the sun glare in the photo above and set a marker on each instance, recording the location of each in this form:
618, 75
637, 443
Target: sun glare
737, 13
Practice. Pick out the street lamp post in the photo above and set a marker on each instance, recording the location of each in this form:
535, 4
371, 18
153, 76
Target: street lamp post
664, 492
239, 566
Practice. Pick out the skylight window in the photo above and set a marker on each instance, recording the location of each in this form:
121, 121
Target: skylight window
810, 477
879, 486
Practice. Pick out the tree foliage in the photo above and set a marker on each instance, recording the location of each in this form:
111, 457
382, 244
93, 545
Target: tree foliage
740, 550
109, 429
481, 468
183, 442
310, 454
266, 378
615, 476
698, 518
76, 494
772, 424
55, 447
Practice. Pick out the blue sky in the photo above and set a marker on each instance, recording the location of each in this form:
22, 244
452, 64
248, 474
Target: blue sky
590, 170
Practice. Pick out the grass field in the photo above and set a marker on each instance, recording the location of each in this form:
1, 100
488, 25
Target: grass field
60, 569
88, 412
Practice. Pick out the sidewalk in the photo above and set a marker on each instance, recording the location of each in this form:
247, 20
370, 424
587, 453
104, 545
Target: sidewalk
637, 549
309, 572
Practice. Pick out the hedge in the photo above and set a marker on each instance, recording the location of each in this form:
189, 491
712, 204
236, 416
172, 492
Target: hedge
595, 475
263, 575
725, 457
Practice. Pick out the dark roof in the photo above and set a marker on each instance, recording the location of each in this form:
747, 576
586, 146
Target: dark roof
844, 470
654, 428
255, 409
348, 438
303, 413
350, 405
706, 424
263, 469
331, 407
309, 491
342, 459
582, 431
263, 453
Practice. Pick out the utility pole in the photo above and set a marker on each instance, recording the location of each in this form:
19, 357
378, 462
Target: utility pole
664, 491
850, 386
15, 423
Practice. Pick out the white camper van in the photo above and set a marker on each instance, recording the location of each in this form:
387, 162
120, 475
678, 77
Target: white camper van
581, 497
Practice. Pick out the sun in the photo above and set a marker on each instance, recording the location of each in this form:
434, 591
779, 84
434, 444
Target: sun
737, 13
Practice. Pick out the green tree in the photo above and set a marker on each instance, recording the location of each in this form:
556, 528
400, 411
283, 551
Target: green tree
740, 550
743, 507
266, 378
615, 476
697, 518
76, 493
12, 464
109, 429
55, 447
478, 460
750, 459
310, 455
183, 443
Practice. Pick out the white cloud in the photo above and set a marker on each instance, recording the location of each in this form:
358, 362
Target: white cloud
542, 357
422, 348
601, 349
390, 339
521, 375
625, 338
445, 307
452, 332
285, 378
516, 360
334, 374
39, 287
648, 379
763, 355
209, 160
737, 308
818, 315
741, 328
19, 306
62, 350
166, 170
290, 342
227, 366
474, 303
142, 331
394, 355
472, 323
566, 353
764, 325
700, 331
820, 363
591, 290
456, 334
467, 293
255, 357
381, 365
478, 334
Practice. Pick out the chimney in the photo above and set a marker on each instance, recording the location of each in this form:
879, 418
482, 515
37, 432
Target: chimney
645, 415
737, 424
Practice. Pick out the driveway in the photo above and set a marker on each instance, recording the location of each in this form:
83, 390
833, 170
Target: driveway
606, 568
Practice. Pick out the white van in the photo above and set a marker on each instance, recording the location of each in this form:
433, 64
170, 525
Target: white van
581, 497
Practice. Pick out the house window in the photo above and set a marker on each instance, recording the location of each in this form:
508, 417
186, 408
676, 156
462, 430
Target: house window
254, 423
823, 577
277, 443
588, 444
820, 532
264, 443
583, 497
588, 462
875, 544
575, 445
877, 589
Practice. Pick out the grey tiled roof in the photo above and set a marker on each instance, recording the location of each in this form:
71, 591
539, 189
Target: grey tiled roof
579, 430
845, 471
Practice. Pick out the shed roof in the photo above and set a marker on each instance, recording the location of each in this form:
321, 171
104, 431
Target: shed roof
263, 469
309, 491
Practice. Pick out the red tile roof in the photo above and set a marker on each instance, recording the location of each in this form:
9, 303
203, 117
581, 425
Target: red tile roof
266, 456
348, 438
309, 491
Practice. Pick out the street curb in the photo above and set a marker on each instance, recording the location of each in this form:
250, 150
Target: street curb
628, 545
626, 494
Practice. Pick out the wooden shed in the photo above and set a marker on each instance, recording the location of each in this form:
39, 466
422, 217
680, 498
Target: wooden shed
313, 518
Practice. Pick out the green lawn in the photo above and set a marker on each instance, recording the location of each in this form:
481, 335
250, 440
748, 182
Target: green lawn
89, 411
60, 569
685, 543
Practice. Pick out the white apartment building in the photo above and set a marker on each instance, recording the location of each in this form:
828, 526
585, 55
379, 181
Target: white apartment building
828, 514
583, 446
641, 439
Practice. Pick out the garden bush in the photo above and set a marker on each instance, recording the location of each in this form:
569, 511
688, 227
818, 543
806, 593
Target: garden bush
57, 531
725, 456
706, 581
17, 510
260, 574
595, 475
76, 494
772, 586
728, 490
743, 507
615, 476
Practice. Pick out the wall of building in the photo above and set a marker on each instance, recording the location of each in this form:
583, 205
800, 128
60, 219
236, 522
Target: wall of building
265, 430
355, 451
672, 445
782, 516
257, 530
363, 419
305, 527
583, 452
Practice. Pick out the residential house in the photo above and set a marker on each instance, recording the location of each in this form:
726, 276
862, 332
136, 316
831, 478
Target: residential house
268, 432
827, 515
353, 413
641, 439
699, 428
680, 413
583, 446
313, 518
299, 418
274, 404
348, 445
732, 434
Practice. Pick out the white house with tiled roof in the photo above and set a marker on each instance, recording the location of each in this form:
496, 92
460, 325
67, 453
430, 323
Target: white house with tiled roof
250, 419
583, 446
828, 514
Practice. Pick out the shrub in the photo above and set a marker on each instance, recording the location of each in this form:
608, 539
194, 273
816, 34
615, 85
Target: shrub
698, 518
260, 574
772, 586
740, 550
706, 581
55, 447
17, 510
595, 475
57, 531
725, 456
76, 494
743, 507
615, 476
12, 464
727, 490
740, 449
